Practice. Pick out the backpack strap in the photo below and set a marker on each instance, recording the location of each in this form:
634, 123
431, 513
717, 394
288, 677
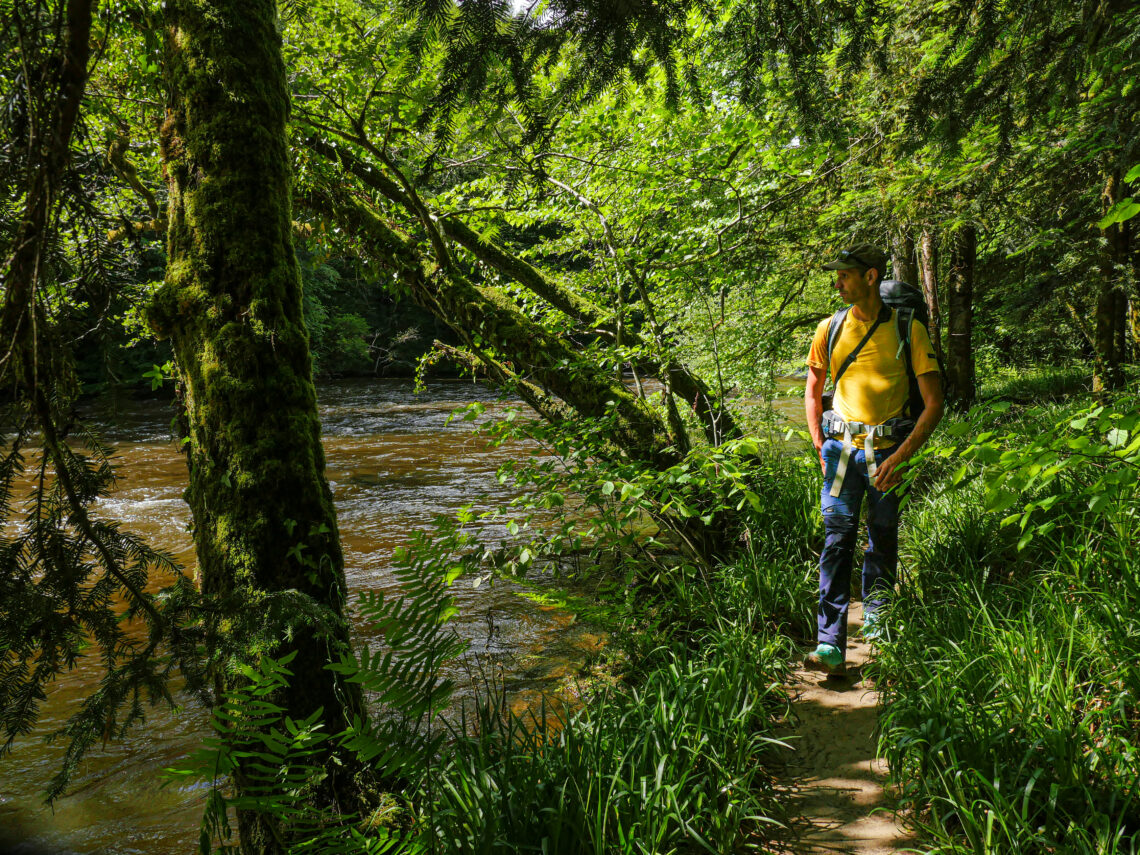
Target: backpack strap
903, 319
884, 315
834, 327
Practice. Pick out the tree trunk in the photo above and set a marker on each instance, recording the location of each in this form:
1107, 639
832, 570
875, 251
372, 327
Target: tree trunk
903, 260
716, 420
1109, 338
49, 150
1112, 299
928, 264
264, 523
960, 352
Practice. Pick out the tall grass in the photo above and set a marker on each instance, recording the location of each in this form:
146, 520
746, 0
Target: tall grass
674, 758
1040, 383
674, 764
1011, 679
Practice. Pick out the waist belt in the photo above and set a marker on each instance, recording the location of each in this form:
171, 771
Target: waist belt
835, 425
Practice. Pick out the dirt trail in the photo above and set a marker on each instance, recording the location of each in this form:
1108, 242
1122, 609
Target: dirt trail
832, 779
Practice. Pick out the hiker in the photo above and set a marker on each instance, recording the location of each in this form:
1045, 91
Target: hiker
864, 437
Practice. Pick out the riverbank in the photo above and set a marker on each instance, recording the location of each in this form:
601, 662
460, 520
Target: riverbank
703, 734
394, 463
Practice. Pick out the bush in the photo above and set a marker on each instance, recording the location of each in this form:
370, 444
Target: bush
1010, 679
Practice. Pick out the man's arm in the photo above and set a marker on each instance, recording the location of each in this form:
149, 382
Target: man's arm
813, 407
930, 387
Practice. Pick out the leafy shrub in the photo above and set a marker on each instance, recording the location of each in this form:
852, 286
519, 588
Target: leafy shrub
1010, 680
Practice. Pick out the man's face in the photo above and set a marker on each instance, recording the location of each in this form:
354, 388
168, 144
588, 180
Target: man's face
853, 285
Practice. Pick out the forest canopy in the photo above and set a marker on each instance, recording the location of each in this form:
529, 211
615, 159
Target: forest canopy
615, 212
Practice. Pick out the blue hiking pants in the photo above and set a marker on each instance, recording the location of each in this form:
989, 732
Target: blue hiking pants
841, 524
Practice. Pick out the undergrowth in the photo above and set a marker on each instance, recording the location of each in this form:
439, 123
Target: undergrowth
1011, 675
671, 757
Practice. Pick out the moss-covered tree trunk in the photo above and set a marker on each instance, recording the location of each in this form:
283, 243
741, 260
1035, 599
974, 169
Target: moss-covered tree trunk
264, 523
488, 322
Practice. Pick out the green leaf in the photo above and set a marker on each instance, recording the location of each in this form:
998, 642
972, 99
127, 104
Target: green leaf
1133, 173
999, 499
1123, 210
1097, 502
1117, 437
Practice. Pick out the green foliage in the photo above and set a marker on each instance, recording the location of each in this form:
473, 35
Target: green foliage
675, 759
674, 764
1009, 680
402, 676
1088, 462
281, 763
74, 589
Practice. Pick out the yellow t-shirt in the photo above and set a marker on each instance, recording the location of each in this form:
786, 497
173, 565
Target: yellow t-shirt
873, 390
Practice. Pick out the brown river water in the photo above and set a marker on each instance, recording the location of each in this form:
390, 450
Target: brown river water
394, 464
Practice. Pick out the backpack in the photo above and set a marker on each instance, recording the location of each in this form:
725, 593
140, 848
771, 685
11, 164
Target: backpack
909, 305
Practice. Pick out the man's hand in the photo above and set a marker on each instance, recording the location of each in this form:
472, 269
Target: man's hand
887, 475
819, 454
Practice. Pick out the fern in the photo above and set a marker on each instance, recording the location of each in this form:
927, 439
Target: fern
396, 746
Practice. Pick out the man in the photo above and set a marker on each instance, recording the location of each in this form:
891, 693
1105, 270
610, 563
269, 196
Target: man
862, 442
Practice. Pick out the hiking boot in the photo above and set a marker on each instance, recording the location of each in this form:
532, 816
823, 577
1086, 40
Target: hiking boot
826, 658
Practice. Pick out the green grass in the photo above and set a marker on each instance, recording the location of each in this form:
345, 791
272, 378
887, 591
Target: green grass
1036, 384
1011, 679
675, 764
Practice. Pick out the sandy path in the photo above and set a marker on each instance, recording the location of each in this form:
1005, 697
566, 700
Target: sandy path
832, 779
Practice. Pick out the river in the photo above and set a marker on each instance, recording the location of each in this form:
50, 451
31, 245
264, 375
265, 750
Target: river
394, 464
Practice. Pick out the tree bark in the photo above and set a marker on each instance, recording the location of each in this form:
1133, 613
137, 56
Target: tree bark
264, 522
960, 352
903, 260
1112, 299
928, 265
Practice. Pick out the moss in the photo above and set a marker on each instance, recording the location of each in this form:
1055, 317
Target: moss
232, 310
